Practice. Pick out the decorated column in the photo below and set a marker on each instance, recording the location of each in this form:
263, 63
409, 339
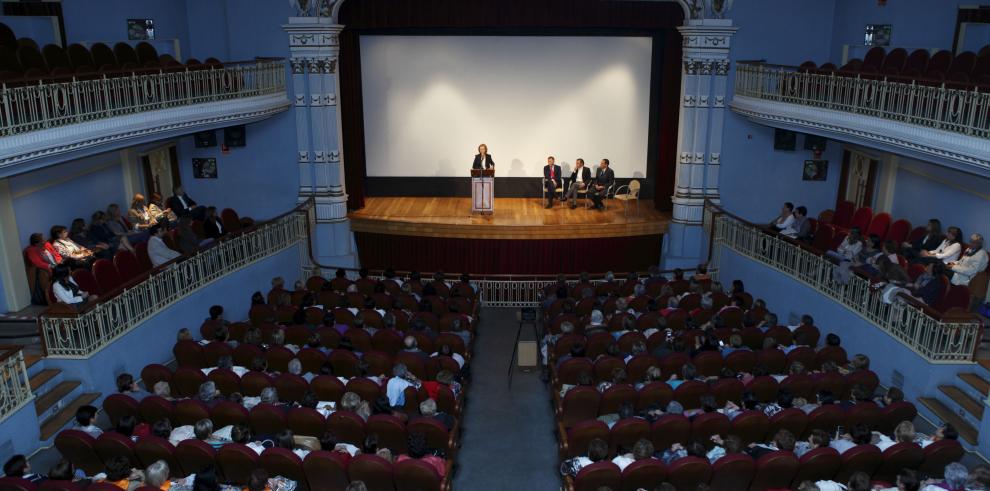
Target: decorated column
706, 43
314, 49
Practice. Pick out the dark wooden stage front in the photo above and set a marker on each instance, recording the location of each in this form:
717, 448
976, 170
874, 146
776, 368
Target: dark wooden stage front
521, 237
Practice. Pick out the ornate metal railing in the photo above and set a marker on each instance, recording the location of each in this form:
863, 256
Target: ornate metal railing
81, 335
965, 111
937, 337
15, 385
35, 105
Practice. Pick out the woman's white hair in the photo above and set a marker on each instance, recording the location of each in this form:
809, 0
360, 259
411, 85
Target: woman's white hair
156, 474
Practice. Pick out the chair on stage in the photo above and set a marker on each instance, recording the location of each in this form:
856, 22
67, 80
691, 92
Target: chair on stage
557, 191
631, 194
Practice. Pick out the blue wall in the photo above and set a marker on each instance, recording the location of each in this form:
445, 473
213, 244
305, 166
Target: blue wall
106, 20
924, 191
260, 180
21, 432
915, 23
56, 195
750, 167
153, 340
41, 29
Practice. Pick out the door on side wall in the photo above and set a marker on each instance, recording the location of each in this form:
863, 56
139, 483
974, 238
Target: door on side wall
161, 171
859, 178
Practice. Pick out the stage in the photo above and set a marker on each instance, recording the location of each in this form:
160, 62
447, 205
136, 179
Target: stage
514, 218
521, 237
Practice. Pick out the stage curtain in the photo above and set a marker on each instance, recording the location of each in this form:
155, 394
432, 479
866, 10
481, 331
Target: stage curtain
521, 257
563, 17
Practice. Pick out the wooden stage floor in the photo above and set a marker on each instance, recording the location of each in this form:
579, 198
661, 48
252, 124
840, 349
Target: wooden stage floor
514, 218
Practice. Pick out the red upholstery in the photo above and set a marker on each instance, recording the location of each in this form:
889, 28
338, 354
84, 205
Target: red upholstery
670, 429
390, 430
596, 476
956, 297
827, 418
151, 448
687, 472
236, 462
189, 411
626, 432
119, 405
325, 470
775, 470
229, 413
127, 265
861, 458
579, 404
733, 472
112, 444
374, 471
282, 462
144, 260
879, 225
617, 395
654, 393
194, 456
230, 220
643, 474
751, 426
154, 408
898, 231
817, 465
862, 218
267, 419
186, 381
792, 419
16, 484
704, 426
843, 214
86, 281
897, 457
347, 427
106, 276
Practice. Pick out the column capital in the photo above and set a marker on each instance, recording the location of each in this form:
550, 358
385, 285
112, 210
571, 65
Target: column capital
312, 32
707, 35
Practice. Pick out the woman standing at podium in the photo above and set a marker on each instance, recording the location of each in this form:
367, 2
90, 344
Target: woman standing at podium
483, 159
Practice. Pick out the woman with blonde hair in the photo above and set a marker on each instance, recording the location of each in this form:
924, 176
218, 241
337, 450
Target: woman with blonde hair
483, 159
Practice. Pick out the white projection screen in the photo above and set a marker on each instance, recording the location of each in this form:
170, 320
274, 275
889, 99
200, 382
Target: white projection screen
430, 100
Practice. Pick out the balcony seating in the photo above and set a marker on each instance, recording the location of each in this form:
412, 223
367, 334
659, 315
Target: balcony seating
967, 70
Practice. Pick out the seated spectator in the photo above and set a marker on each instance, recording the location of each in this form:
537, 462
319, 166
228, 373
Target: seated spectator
157, 250
85, 417
418, 449
891, 272
930, 241
138, 213
907, 480
597, 452
182, 205
128, 386
295, 368
783, 440
100, 231
18, 466
944, 432
212, 225
41, 253
831, 340
642, 450
800, 228
67, 291
209, 395
678, 451
162, 389
785, 400
971, 263
156, 475
817, 439
401, 379
947, 251
956, 479
120, 474
903, 433
858, 435
892, 396
457, 328
849, 248
158, 212
928, 286
79, 233
730, 445
785, 219
410, 346
120, 227
73, 254
428, 409
64, 471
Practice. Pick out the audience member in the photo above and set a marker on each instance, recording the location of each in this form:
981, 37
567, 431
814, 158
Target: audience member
157, 250
67, 291
972, 262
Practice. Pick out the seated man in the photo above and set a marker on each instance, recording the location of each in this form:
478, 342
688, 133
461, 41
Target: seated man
578, 181
604, 179
84, 421
181, 204
157, 250
800, 227
551, 180
18, 466
971, 263
128, 386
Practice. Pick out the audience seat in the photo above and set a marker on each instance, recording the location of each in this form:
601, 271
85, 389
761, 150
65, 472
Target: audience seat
898, 231
817, 465
154, 408
128, 266
119, 405
86, 281
325, 470
878, 226
775, 470
112, 444
236, 462
670, 429
861, 458
189, 411
150, 449
374, 471
193, 456
106, 276
687, 472
643, 474
16, 483
229, 413
592, 477
897, 457
144, 260
282, 462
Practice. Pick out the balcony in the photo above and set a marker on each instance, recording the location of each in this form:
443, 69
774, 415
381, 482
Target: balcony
940, 124
60, 119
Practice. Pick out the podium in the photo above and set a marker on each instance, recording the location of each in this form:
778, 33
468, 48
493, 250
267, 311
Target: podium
483, 191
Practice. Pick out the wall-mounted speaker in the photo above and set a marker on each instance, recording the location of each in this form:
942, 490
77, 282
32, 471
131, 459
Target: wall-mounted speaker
235, 136
784, 139
815, 142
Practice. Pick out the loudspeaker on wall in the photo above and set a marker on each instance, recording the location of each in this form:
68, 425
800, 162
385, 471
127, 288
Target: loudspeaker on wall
235, 136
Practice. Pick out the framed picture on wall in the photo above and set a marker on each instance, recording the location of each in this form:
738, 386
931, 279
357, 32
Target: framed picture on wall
784, 139
141, 29
205, 168
815, 170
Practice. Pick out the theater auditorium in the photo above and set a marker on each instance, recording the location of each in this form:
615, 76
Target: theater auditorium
435, 245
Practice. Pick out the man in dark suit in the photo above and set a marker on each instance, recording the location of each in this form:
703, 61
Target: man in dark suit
551, 180
604, 178
579, 181
212, 225
483, 158
181, 204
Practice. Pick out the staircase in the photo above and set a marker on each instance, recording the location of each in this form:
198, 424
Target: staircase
56, 399
961, 403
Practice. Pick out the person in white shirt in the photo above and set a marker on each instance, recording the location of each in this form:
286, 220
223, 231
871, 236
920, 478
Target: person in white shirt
642, 449
66, 289
971, 263
578, 181
157, 250
597, 452
850, 247
785, 219
948, 251
903, 433
84, 421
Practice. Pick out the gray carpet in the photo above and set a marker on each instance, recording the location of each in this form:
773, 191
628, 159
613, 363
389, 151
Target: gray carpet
509, 441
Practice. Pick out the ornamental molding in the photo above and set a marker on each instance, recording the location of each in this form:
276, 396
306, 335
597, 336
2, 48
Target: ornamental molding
313, 66
954, 150
721, 67
314, 40
41, 148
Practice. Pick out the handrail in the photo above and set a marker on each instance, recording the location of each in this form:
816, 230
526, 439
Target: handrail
939, 338
943, 107
15, 385
79, 335
56, 102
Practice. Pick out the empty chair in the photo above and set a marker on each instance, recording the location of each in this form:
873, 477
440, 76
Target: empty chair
80, 57
874, 57
126, 56
194, 455
154, 408
141, 251
236, 462
282, 462
918, 61
128, 267
939, 63
267, 419
106, 275
906, 455
55, 56
595, 476
775, 470
879, 225
146, 53
687, 472
823, 238
898, 231
118, 406
670, 429
581, 434
325, 470
151, 448
751, 426
817, 465
861, 458
230, 220
189, 411
229, 413
962, 63
86, 281
939, 454
112, 444
643, 474
30, 58
374, 471
861, 218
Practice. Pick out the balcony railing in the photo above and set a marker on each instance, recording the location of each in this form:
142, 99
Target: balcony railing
81, 335
35, 106
949, 109
15, 386
938, 338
